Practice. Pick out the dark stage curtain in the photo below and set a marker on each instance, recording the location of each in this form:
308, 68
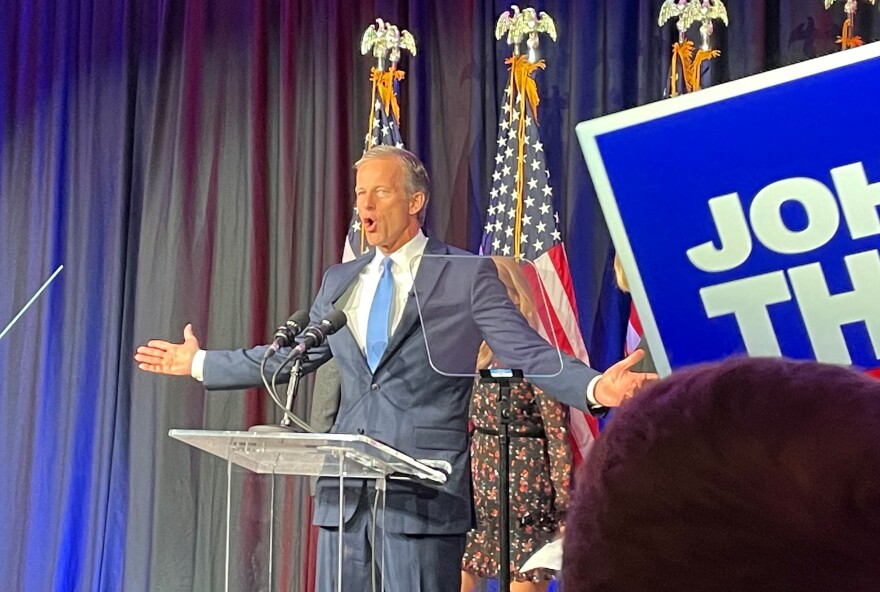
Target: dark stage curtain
190, 161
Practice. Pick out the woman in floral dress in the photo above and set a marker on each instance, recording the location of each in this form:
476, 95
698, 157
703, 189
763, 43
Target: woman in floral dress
540, 466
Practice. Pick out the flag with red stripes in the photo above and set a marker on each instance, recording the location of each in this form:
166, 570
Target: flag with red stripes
534, 218
634, 331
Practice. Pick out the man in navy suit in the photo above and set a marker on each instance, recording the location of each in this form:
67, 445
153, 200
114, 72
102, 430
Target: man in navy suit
391, 392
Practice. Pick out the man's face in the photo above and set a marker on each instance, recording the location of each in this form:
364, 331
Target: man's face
389, 220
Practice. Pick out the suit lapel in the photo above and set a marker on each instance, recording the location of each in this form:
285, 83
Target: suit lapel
347, 273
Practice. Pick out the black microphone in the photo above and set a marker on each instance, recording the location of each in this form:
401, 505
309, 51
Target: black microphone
285, 334
315, 335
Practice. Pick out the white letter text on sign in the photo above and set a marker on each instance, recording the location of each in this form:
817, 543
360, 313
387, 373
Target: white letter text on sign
761, 237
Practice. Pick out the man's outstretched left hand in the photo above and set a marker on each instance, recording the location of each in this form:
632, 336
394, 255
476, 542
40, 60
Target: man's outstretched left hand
620, 383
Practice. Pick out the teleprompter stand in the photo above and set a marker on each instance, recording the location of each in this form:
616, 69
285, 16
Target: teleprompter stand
504, 378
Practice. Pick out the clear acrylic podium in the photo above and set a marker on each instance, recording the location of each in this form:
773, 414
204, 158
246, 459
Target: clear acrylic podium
268, 455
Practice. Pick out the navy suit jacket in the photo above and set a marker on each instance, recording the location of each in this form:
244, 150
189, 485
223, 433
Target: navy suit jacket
406, 404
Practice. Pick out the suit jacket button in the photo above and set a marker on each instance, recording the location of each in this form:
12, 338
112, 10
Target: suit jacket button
374, 387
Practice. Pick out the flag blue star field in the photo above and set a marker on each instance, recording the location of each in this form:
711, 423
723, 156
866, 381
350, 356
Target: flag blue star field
384, 130
540, 222
540, 239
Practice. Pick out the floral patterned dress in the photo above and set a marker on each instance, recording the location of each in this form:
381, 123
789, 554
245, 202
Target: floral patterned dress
540, 477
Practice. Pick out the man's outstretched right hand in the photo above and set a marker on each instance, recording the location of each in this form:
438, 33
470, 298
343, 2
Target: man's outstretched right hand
164, 357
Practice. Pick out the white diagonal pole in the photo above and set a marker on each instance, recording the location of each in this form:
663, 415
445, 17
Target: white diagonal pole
31, 301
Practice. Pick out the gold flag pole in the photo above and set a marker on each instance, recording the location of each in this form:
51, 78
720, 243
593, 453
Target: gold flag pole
522, 26
384, 40
847, 40
686, 13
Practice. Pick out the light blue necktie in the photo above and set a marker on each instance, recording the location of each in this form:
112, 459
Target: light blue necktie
378, 323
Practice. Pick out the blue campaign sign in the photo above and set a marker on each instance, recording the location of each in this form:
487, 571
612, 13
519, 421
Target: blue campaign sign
747, 216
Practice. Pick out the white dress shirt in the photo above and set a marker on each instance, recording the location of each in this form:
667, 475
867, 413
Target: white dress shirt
357, 299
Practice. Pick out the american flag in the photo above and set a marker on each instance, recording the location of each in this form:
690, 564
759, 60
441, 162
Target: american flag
384, 129
633, 331
540, 240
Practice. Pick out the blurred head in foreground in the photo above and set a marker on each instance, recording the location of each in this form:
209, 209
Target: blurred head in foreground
752, 474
